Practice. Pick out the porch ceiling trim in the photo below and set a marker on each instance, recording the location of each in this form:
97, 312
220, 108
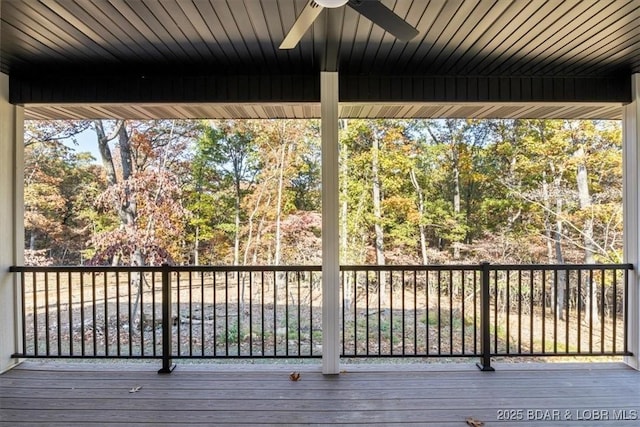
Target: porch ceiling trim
311, 110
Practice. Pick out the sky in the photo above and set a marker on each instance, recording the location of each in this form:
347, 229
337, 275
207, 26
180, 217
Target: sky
85, 142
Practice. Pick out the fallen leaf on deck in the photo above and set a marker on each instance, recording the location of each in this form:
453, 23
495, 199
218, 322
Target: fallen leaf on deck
294, 376
135, 389
474, 423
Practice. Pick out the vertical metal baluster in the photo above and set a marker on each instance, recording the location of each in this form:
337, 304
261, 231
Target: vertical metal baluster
391, 312
94, 310
602, 303
251, 313
415, 312
531, 309
262, 310
544, 311
355, 318
215, 315
367, 308
591, 293
190, 283
58, 316
82, 348
178, 315
519, 311
451, 285
464, 323
380, 287
275, 314
36, 337
106, 313
555, 311
496, 295
311, 313
130, 314
46, 313
615, 310
141, 312
118, 350
626, 309
567, 295
439, 305
299, 314
202, 314
239, 325
70, 305
343, 310
23, 303
154, 339
403, 312
226, 313
508, 310
579, 305
475, 312
286, 312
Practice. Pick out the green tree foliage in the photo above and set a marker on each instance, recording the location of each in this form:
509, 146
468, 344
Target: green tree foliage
411, 191
60, 188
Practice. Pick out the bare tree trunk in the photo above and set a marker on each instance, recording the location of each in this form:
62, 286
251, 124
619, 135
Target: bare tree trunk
456, 204
547, 217
250, 222
236, 234
196, 248
561, 284
377, 213
421, 227
127, 210
582, 180
282, 162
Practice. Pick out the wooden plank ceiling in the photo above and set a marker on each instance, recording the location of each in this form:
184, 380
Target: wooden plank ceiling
107, 41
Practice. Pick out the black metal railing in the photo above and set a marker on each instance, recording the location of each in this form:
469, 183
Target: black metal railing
420, 311
179, 312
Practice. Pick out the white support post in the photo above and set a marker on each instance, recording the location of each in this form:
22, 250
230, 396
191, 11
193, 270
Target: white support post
631, 214
330, 224
11, 222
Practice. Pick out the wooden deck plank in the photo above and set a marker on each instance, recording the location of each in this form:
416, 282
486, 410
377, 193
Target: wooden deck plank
77, 395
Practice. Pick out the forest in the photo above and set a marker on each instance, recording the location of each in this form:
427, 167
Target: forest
247, 192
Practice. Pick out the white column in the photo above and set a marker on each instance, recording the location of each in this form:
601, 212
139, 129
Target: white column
631, 214
330, 224
11, 222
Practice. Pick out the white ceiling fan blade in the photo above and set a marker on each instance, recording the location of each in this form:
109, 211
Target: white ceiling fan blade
302, 24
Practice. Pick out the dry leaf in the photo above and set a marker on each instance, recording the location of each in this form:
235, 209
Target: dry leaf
135, 389
474, 423
294, 376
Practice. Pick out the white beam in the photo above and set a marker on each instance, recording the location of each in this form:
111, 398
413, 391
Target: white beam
631, 215
11, 222
330, 224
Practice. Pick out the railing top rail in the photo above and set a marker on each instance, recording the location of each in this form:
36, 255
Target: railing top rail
524, 267
200, 268
296, 268
428, 267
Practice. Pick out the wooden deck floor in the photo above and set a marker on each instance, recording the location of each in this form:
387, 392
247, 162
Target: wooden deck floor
47, 394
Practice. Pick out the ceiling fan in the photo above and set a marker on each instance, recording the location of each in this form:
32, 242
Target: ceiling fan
373, 10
